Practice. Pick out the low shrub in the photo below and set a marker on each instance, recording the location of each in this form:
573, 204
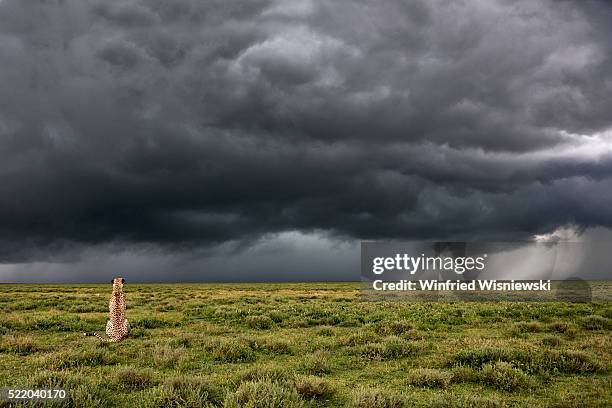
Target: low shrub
260, 373
276, 316
51, 379
134, 378
561, 327
503, 376
233, 351
59, 323
376, 398
429, 377
391, 347
464, 374
189, 391
269, 394
325, 331
565, 361
183, 340
167, 357
569, 362
392, 328
521, 328
480, 356
155, 323
450, 400
22, 345
551, 341
316, 363
276, 346
138, 333
595, 322
86, 396
358, 338
311, 387
259, 322
83, 358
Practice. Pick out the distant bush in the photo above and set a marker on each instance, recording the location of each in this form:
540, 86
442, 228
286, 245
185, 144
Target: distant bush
325, 331
551, 341
569, 362
358, 338
276, 316
233, 351
534, 362
134, 379
183, 340
57, 323
503, 376
269, 394
429, 377
480, 356
25, 305
392, 328
166, 307
464, 374
88, 308
526, 327
313, 387
595, 322
22, 345
376, 398
89, 396
51, 379
138, 333
560, 327
395, 347
258, 373
259, 322
391, 347
316, 363
277, 346
351, 322
83, 358
166, 357
188, 391
155, 323
450, 400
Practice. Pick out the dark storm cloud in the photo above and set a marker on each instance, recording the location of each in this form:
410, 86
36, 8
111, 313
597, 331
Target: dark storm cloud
196, 123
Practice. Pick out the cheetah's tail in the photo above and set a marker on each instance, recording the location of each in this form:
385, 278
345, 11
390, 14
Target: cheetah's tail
98, 336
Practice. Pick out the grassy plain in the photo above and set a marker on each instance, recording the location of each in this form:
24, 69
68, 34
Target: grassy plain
300, 345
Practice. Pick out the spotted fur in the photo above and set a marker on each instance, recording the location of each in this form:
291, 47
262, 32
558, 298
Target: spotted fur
117, 327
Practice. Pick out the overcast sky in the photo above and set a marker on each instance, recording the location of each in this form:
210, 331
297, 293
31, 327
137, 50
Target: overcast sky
262, 140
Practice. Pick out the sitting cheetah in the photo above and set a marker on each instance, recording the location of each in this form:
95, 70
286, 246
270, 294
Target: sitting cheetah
117, 327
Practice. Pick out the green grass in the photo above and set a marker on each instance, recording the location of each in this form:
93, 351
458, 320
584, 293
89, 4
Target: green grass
303, 345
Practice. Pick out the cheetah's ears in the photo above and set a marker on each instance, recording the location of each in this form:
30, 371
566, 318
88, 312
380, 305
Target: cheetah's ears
122, 280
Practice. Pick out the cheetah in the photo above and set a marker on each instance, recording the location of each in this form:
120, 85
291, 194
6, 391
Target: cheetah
117, 327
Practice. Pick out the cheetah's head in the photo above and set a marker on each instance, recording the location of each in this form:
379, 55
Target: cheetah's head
118, 283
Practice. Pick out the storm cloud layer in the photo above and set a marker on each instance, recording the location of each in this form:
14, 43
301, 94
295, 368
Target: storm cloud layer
191, 124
